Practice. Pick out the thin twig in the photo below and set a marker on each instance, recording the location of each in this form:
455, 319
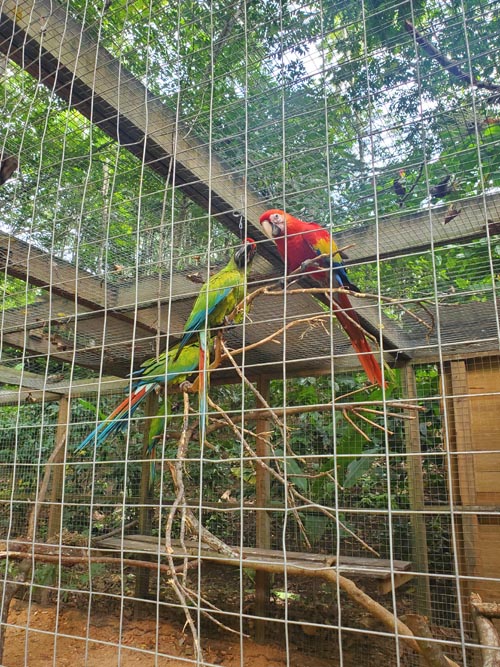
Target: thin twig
196, 598
176, 472
288, 485
451, 66
355, 426
372, 423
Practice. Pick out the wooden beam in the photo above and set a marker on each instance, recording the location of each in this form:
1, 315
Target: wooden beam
418, 231
457, 395
53, 392
74, 292
37, 267
22, 378
145, 511
21, 396
66, 58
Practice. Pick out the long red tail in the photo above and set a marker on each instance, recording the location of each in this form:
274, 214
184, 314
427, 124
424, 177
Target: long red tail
348, 321
117, 420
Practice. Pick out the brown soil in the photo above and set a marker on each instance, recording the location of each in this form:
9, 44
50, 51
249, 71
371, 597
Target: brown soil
38, 636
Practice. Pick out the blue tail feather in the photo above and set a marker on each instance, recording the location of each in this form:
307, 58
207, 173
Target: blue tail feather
115, 425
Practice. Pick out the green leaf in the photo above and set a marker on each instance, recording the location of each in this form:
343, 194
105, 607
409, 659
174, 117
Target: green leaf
357, 468
315, 526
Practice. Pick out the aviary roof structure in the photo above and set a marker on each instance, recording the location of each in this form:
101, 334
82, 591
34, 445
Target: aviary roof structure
111, 323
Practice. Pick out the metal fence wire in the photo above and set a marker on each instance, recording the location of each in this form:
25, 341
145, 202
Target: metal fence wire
224, 440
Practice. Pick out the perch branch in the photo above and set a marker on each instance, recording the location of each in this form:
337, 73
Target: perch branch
65, 559
332, 576
488, 609
283, 431
289, 487
430, 649
177, 478
259, 397
487, 634
188, 518
196, 598
451, 66
355, 426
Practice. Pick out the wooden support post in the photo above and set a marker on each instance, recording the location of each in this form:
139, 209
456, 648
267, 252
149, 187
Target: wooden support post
462, 476
263, 521
56, 491
416, 497
145, 512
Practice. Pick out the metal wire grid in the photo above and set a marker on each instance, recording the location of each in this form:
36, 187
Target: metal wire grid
118, 470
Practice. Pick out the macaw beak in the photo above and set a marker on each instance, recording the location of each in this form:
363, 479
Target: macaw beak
240, 254
267, 228
271, 229
276, 230
244, 254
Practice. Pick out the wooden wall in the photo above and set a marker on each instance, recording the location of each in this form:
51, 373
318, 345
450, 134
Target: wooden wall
473, 417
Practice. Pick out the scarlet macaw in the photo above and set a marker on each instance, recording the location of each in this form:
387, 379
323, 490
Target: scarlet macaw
217, 299
298, 241
172, 367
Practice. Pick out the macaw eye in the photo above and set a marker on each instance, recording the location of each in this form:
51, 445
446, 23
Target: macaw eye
276, 217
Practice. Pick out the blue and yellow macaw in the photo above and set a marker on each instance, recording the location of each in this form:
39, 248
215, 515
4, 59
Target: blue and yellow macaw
171, 367
217, 299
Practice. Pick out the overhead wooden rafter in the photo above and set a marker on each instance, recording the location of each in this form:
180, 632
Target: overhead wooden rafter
43, 38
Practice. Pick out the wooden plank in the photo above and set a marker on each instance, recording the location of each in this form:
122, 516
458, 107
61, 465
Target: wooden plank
463, 433
66, 58
455, 391
489, 499
253, 558
153, 544
488, 463
487, 481
386, 586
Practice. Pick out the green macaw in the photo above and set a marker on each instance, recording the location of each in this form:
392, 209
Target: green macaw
156, 431
217, 299
171, 367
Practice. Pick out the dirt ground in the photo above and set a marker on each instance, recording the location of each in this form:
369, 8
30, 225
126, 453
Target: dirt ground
61, 640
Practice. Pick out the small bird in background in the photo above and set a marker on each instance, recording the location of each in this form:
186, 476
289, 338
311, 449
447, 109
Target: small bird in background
444, 187
399, 184
217, 299
8, 166
478, 125
171, 368
298, 241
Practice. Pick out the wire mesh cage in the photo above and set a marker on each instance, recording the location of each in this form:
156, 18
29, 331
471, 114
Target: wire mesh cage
224, 439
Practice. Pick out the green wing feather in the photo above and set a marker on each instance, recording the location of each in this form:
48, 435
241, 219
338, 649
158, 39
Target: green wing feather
217, 299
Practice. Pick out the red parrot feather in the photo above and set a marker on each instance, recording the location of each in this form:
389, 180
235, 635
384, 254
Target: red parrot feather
298, 241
